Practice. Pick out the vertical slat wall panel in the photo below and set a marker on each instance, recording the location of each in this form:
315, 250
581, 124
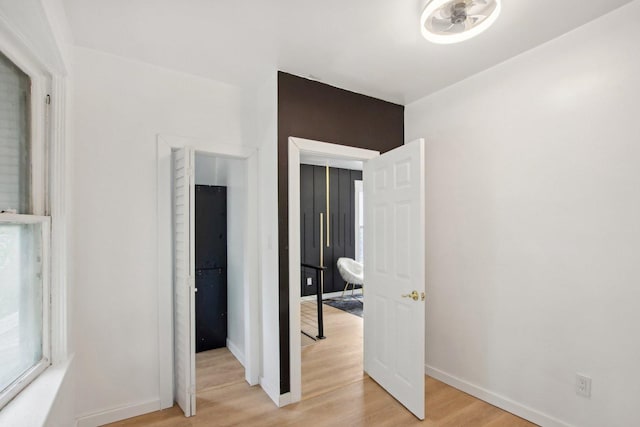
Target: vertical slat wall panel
341, 220
333, 251
309, 251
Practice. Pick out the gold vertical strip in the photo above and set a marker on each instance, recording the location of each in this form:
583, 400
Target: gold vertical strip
327, 206
321, 284
321, 240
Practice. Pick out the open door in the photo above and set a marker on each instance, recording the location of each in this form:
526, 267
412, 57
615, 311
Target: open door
184, 280
394, 273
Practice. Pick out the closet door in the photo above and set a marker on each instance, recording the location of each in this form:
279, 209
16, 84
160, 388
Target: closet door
184, 280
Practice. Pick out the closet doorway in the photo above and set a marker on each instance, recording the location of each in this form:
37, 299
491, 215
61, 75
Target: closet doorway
185, 167
220, 218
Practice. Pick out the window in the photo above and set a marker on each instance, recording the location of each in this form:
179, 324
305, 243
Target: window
24, 241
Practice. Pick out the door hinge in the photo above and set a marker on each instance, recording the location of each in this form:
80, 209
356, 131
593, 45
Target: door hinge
47, 99
190, 172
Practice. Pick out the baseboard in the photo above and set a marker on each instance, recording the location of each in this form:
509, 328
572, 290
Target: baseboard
284, 400
118, 414
272, 390
495, 399
235, 351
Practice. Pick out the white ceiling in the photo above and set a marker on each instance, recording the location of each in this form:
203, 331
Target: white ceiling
367, 46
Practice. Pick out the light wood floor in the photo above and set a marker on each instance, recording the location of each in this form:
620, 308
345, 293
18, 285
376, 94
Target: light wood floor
335, 361
217, 368
335, 392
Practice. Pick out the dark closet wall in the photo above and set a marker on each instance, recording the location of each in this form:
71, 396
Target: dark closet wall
313, 110
342, 212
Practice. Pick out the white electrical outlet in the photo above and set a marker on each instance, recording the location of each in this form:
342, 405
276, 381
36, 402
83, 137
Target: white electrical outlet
309, 282
583, 385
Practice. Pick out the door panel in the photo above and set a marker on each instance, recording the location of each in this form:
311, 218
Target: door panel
184, 270
394, 253
211, 223
211, 309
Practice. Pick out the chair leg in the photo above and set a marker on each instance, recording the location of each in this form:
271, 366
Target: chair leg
345, 288
353, 288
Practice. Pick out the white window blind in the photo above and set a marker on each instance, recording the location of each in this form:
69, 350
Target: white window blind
15, 173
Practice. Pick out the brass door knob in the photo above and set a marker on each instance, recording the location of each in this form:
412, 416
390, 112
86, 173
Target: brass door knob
413, 295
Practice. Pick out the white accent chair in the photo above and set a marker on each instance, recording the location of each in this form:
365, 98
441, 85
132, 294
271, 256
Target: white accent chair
352, 272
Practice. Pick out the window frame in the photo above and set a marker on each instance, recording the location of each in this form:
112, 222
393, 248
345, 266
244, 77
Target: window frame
32, 373
48, 121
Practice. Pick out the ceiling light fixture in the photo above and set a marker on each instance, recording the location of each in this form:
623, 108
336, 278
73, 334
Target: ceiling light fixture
453, 21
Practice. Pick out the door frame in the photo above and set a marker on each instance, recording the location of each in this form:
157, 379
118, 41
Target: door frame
165, 145
298, 146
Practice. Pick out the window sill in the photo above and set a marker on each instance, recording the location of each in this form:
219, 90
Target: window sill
32, 406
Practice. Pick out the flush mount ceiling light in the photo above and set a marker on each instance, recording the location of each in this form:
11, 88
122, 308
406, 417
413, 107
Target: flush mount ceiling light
453, 21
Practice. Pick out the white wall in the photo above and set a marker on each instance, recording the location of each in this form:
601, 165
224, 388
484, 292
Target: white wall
533, 228
231, 173
261, 117
120, 107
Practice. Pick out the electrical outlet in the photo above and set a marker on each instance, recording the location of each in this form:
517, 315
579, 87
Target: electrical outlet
309, 281
583, 385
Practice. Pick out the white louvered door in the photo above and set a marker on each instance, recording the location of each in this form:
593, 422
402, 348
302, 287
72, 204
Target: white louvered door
184, 280
394, 273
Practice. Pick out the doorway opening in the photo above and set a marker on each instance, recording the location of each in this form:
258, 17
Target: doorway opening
220, 217
394, 267
321, 167
331, 286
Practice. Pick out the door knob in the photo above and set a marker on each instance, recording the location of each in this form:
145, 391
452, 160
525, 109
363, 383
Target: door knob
413, 295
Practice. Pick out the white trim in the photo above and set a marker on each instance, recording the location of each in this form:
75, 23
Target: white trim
296, 147
495, 399
24, 219
118, 413
284, 400
32, 408
272, 390
57, 209
165, 143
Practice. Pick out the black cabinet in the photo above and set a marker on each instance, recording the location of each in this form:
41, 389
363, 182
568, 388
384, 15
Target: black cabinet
341, 222
211, 267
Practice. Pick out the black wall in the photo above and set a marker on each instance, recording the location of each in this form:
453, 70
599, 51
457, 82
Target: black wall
313, 110
313, 202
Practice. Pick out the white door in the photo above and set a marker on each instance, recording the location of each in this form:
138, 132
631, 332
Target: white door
183, 281
394, 273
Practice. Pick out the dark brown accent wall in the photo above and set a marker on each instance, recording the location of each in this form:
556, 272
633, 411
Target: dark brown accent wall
313, 110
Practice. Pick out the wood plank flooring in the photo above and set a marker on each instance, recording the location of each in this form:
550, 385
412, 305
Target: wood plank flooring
217, 368
337, 360
335, 392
